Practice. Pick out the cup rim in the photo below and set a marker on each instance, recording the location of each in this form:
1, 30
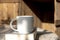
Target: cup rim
24, 16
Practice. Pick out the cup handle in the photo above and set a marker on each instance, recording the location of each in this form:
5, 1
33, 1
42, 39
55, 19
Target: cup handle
12, 25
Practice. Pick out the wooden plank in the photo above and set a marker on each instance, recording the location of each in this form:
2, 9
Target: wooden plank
1, 13
27, 10
15, 10
12, 10
58, 31
21, 8
49, 27
8, 10
1, 7
35, 20
42, 0
5, 16
57, 9
15, 1
9, 1
57, 18
39, 23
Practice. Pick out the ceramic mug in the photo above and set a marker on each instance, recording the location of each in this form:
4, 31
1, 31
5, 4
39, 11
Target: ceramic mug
24, 24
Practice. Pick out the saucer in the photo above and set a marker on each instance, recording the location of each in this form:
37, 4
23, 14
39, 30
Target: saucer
6, 29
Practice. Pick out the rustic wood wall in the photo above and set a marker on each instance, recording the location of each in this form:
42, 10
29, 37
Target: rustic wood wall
57, 17
13, 8
27, 11
9, 10
37, 21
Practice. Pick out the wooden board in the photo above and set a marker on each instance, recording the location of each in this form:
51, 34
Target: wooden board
49, 27
12, 10
9, 1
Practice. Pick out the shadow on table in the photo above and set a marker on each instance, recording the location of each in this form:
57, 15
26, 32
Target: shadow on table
41, 33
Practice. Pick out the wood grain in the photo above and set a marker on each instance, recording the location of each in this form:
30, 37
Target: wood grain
5, 16
1, 11
9, 1
49, 27
11, 10
39, 23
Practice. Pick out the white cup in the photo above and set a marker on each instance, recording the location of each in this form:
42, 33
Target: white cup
24, 24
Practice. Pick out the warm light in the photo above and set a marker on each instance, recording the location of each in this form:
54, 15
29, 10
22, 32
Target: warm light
15, 37
19, 37
11, 37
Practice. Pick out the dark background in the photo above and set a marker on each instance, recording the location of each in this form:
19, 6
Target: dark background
44, 9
